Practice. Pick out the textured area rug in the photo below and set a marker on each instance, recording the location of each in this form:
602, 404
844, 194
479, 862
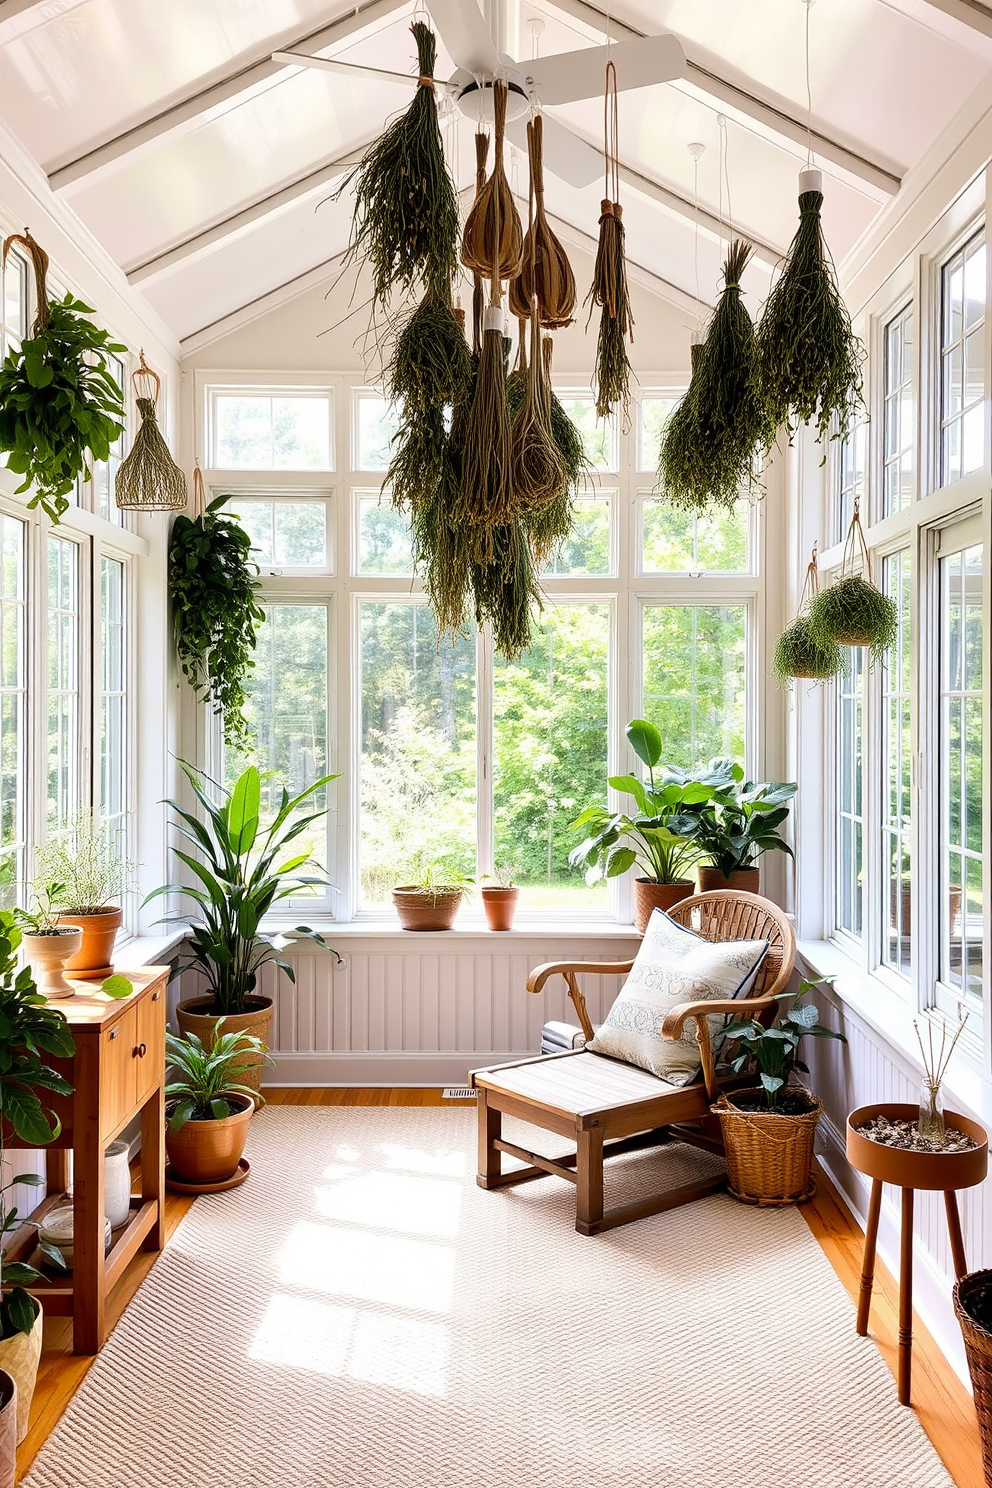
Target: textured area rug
361, 1315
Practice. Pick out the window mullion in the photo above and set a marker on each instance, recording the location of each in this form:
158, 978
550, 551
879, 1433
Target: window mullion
485, 675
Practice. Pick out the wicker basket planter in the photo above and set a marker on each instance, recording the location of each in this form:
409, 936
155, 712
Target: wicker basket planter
650, 895
973, 1295
769, 1153
710, 877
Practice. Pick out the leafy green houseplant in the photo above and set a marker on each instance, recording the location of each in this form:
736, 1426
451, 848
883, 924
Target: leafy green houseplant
30, 1034
93, 873
207, 1105
431, 902
660, 838
60, 405
48, 944
742, 821
215, 611
242, 869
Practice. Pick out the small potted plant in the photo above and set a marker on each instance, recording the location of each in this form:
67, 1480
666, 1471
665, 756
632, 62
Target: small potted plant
30, 1033
48, 944
242, 873
660, 839
740, 823
499, 897
431, 902
208, 1107
768, 1128
93, 875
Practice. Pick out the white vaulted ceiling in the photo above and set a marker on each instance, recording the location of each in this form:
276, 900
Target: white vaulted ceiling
204, 168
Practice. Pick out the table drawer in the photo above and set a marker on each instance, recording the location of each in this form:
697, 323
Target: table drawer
117, 1076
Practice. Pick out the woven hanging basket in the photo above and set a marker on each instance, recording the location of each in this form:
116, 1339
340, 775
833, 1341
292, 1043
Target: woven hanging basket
149, 478
769, 1154
978, 1348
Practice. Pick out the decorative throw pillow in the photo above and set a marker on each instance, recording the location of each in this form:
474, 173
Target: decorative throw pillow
674, 965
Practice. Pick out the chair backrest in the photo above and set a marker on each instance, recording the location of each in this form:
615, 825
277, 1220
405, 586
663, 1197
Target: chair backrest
728, 914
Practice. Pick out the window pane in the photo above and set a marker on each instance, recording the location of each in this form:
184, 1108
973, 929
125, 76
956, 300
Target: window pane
549, 753
13, 698
418, 750
378, 422
681, 542
897, 808
263, 431
112, 698
105, 471
285, 533
655, 413
694, 680
960, 772
384, 543
898, 424
587, 550
850, 810
962, 361
15, 309
851, 465
598, 436
63, 682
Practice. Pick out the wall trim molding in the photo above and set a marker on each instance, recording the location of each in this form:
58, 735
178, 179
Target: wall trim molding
376, 1071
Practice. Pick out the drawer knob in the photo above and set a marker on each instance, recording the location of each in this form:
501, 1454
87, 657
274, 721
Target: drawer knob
156, 996
141, 1050
113, 1033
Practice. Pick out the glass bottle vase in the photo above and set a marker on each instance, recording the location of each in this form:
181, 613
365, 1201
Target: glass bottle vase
931, 1121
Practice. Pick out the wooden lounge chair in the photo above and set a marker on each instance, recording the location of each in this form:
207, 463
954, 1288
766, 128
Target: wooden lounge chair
608, 1107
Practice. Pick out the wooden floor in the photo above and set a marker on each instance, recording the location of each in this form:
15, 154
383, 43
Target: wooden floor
940, 1400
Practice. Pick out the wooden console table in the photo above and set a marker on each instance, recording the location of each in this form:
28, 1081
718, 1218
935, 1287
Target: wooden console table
118, 1071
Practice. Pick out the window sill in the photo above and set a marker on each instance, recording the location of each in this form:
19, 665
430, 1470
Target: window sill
890, 1017
147, 950
472, 929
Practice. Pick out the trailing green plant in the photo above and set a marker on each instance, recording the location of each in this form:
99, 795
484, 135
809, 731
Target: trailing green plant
772, 1053
60, 404
204, 1080
506, 589
213, 589
809, 361
852, 611
660, 838
405, 223
241, 873
798, 652
742, 818
88, 864
712, 457
31, 1030
612, 372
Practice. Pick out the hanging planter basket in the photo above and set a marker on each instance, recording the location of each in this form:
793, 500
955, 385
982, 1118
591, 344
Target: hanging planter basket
799, 653
853, 611
149, 478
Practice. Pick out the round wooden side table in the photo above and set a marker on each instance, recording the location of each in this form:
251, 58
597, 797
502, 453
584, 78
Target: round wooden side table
944, 1171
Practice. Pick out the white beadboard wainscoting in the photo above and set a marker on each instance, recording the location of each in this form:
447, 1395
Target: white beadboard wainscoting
424, 1008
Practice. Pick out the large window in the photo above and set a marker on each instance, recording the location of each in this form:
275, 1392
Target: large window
898, 422
850, 792
851, 483
962, 361
897, 774
113, 792
13, 708
64, 640
695, 669
265, 431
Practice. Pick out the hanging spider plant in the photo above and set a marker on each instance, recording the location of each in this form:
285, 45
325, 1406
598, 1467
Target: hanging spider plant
799, 652
853, 611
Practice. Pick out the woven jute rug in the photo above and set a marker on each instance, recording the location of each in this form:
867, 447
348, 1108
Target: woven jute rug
360, 1314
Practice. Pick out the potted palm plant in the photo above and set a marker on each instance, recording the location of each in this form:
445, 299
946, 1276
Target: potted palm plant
740, 823
433, 900
30, 1032
660, 838
93, 874
208, 1107
241, 871
768, 1129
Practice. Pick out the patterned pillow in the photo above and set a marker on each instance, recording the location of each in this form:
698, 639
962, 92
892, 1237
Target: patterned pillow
674, 965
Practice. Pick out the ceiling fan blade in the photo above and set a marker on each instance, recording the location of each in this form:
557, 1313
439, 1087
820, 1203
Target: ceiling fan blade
466, 38
569, 76
565, 155
331, 64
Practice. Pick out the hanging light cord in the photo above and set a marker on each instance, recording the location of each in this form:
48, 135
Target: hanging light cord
695, 237
809, 95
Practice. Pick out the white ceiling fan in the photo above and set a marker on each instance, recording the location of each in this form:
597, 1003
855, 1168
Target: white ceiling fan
564, 77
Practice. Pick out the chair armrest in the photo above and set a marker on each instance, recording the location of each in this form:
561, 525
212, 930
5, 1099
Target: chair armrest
676, 1017
540, 974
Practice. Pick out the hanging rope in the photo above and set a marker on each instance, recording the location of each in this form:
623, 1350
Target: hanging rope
613, 372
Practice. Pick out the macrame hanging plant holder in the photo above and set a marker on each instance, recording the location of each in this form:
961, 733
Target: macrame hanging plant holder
149, 478
853, 611
798, 653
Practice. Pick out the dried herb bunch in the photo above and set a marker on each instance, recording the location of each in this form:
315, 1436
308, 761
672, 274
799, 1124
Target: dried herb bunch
405, 221
506, 589
682, 462
809, 360
60, 405
537, 471
713, 460
430, 369
493, 239
612, 373
545, 272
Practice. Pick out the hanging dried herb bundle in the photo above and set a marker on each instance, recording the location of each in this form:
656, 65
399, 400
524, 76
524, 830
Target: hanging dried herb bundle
149, 478
726, 426
798, 651
545, 272
809, 359
537, 471
416, 466
493, 239
550, 525
431, 364
405, 221
478, 280
442, 547
613, 372
60, 406
852, 611
681, 457
506, 590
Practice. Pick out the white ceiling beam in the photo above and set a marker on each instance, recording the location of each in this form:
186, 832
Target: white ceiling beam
261, 305
970, 13
674, 294
767, 114
255, 77
20, 17
962, 22
709, 223
235, 226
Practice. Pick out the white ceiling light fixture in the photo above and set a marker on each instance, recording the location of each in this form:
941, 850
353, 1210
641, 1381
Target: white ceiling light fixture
564, 77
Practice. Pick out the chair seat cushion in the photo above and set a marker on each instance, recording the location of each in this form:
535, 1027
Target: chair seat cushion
674, 965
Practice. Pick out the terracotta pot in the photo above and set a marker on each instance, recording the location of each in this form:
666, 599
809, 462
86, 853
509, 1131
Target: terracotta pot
933, 1170
8, 1431
95, 956
425, 909
649, 896
195, 1015
209, 1151
19, 1358
500, 905
712, 878
48, 955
